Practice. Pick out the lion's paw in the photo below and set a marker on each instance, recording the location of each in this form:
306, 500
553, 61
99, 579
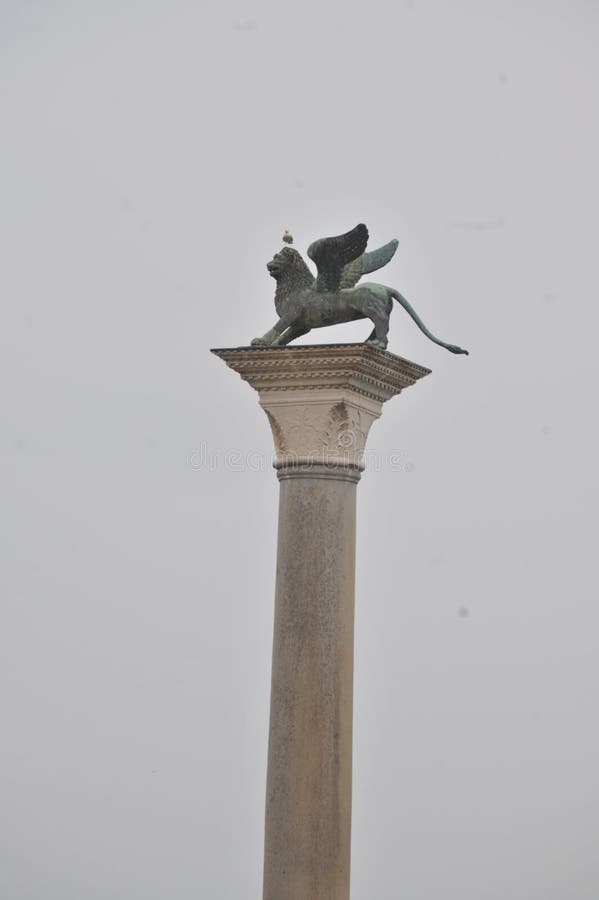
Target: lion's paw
259, 342
380, 345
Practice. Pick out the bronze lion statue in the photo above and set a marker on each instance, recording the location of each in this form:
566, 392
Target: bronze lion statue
304, 302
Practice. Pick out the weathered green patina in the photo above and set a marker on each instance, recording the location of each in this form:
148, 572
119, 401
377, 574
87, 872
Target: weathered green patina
304, 302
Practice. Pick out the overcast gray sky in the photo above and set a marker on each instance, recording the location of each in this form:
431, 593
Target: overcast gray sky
152, 154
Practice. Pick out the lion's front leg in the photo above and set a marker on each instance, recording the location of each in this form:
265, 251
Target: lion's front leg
266, 340
272, 338
293, 332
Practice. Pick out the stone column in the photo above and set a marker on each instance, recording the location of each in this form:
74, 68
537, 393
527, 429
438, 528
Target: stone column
320, 402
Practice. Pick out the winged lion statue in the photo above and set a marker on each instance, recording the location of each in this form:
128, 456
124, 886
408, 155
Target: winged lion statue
304, 302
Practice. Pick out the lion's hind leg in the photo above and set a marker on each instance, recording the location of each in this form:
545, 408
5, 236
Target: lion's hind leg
369, 302
376, 312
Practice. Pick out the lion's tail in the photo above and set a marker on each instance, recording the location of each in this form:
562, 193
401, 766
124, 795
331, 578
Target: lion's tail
412, 312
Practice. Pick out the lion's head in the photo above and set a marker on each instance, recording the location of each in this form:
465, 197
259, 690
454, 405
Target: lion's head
289, 269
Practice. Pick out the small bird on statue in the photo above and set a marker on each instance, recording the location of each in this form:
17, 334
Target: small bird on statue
287, 237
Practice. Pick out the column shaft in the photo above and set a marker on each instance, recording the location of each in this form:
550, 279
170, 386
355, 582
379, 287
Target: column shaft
308, 803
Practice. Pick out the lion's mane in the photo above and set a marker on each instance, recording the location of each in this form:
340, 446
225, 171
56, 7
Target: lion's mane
294, 278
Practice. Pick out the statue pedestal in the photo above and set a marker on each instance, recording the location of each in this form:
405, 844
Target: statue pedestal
320, 402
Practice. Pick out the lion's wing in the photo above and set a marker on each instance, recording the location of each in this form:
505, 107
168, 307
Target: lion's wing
332, 254
367, 262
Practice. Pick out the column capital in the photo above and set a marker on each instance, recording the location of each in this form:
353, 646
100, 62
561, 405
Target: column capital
321, 399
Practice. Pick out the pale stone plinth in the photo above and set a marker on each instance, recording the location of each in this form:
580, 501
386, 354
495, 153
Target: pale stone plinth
320, 402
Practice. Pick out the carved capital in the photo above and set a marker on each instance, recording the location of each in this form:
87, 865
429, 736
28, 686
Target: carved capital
319, 426
321, 400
